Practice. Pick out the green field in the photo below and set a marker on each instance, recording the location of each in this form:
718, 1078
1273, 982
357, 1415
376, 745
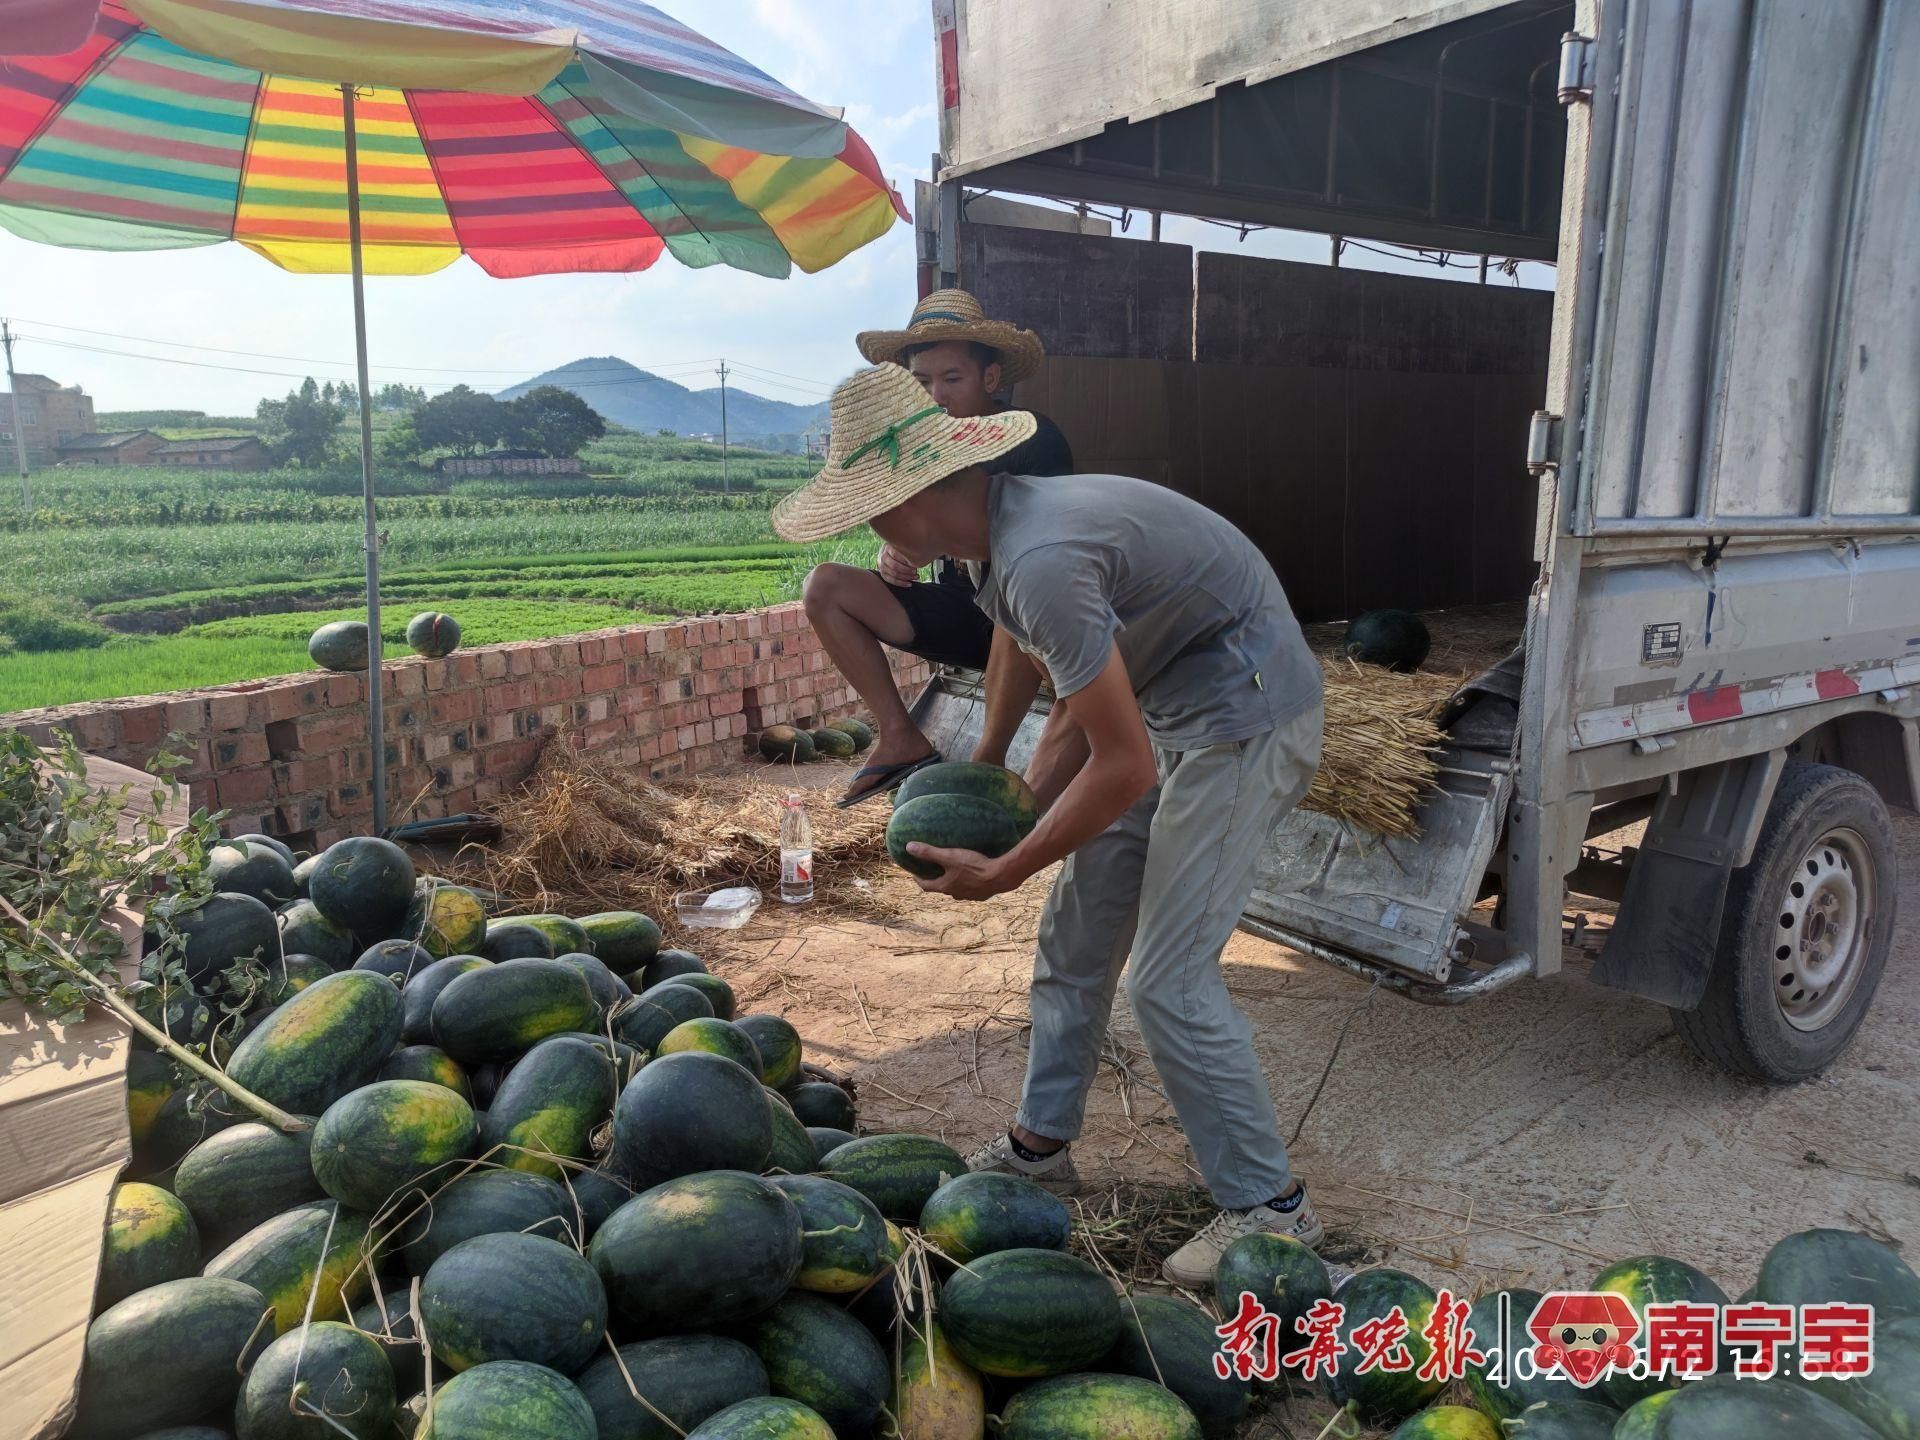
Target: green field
225, 575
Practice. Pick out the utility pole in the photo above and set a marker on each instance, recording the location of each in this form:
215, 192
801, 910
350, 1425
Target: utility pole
19, 430
724, 486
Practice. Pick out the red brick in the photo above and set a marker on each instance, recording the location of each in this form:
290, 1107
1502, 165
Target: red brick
729, 702
513, 695
284, 702
451, 707
493, 664
409, 682
436, 747
233, 752
320, 734
519, 660
703, 733
143, 725
302, 814
604, 732
656, 641
595, 707
95, 731
603, 677
644, 722
463, 800
707, 683
187, 716
299, 777
244, 787
346, 690
462, 771
551, 689
633, 643
352, 799
736, 724
512, 760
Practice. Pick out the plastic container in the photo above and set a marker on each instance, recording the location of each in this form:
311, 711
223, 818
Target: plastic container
796, 852
718, 907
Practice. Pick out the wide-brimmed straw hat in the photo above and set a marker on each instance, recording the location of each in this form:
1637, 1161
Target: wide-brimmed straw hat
889, 442
956, 315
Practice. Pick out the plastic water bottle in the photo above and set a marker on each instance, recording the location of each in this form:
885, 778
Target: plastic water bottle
796, 853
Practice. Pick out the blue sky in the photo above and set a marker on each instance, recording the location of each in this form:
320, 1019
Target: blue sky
874, 57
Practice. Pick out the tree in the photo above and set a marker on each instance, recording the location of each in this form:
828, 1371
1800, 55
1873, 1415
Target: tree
302, 427
394, 396
348, 394
401, 441
554, 421
462, 420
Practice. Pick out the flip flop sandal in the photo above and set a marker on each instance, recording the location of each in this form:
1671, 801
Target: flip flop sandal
889, 777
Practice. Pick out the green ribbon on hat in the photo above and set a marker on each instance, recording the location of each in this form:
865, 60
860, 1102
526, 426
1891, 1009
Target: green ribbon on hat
890, 438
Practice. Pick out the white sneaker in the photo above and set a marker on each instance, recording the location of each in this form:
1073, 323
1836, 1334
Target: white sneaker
1191, 1266
1055, 1172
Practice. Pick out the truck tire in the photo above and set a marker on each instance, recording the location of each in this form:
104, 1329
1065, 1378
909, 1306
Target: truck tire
1805, 934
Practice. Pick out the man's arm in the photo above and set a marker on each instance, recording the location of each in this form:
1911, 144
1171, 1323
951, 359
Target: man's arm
1118, 771
1057, 758
1012, 682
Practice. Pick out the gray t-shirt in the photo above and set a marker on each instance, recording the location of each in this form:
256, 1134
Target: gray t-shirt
1210, 643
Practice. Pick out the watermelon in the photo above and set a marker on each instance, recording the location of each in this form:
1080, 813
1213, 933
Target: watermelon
433, 634
1643, 1280
836, 744
330, 1368
1097, 1407
685, 1377
653, 1013
444, 919
1030, 1313
1639, 1423
225, 929
609, 990
1447, 1422
1815, 1266
562, 933
793, 1151
596, 1195
150, 1240
713, 1037
783, 742
980, 1213
982, 782
880, 1306
167, 1355
305, 931
550, 1105
1174, 1343
818, 1354
486, 1202
1504, 1401
859, 730
719, 994
670, 965
303, 875
279, 847
1397, 639
1278, 1271
844, 1242
507, 1400
311, 1249
690, 1112
1888, 1397
388, 1318
241, 867
779, 1046
429, 1063
364, 883
409, 1418
331, 1037
699, 1252
288, 975
626, 1060
504, 1010
341, 645
513, 1297
388, 1137
419, 993
151, 1081
826, 1139
936, 1396
513, 940
485, 1079
819, 1102
622, 940
1563, 1420
1726, 1408
191, 1114
952, 822
899, 1173
1381, 1396
772, 1418
398, 960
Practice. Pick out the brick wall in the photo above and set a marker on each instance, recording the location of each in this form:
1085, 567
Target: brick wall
290, 756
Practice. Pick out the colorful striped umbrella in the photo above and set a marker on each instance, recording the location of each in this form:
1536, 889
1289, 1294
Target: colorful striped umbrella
393, 136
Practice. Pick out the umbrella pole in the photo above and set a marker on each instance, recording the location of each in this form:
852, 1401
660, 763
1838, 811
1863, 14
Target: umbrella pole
376, 712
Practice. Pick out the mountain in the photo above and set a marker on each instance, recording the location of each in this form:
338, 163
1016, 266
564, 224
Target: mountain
627, 395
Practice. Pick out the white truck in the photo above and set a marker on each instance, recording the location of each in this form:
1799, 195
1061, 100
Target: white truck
1722, 463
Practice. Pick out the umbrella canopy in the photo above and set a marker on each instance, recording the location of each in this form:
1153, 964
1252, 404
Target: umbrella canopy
567, 135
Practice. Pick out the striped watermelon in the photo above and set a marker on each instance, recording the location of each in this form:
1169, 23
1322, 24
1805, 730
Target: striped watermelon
1278, 1271
445, 919
305, 931
390, 1135
243, 1176
311, 1249
150, 1239
1381, 1396
670, 965
168, 1355
507, 1400
1724, 1407
513, 1297
356, 1397
398, 960
1174, 1343
1645, 1280
984, 782
514, 940
1888, 1398
844, 1240
687, 1378
388, 1318
793, 1152
899, 1173
1097, 1407
826, 1140
1030, 1313
1827, 1265
151, 1081
419, 993
768, 1419
714, 1036
549, 1105
819, 1102
779, 1046
719, 994
818, 1354
596, 1195
623, 940
288, 975
656, 1012
978, 1213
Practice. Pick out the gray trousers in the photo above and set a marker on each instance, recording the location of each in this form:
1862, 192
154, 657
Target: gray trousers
1168, 882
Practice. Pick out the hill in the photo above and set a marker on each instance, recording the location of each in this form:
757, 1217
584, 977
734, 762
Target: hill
624, 394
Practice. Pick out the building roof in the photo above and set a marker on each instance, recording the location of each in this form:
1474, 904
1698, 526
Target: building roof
210, 442
104, 442
26, 381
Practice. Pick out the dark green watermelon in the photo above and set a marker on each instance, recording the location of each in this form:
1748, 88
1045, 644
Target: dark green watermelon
1815, 1266
979, 1213
1888, 1398
784, 742
516, 940
713, 1036
779, 1046
167, 1355
1446, 1422
243, 1176
684, 1377
244, 867
622, 940
596, 1195
859, 730
364, 883
1282, 1274
899, 1173
836, 744
719, 994
818, 1354
844, 1242
176, 1010
979, 781
340, 645
305, 931
1641, 1422
1173, 1343
820, 1102
513, 1297
698, 1253
419, 993
1645, 1280
313, 1254
1563, 1420
505, 1010
548, 1107
151, 1082
950, 822
671, 965
793, 1151
826, 1140
690, 1112
507, 1400
391, 1136
388, 1318
432, 634
654, 1013
1029, 1313
1397, 639
187, 1116
608, 988
771, 1418
329, 1368
279, 847
331, 1037
486, 1202
429, 1063
398, 960
150, 1240
563, 933
288, 975
1097, 1407
1382, 1396
227, 928
1727, 1408
1504, 1401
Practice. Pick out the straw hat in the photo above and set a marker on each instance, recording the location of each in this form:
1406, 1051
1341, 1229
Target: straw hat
956, 315
889, 442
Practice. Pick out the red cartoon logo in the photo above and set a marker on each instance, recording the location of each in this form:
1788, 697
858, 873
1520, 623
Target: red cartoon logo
1583, 1334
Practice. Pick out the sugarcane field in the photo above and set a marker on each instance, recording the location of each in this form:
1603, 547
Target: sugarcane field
959, 720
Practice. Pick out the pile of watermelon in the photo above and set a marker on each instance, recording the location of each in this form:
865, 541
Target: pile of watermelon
837, 740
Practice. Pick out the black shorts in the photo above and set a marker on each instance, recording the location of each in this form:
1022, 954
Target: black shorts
948, 628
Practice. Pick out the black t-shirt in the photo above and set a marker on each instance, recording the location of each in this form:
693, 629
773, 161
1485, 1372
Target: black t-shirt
1045, 452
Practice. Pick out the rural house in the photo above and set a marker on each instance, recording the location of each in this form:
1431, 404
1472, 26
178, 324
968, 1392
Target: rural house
121, 447
51, 414
215, 452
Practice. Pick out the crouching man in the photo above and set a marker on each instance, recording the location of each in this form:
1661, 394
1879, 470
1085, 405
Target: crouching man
1188, 723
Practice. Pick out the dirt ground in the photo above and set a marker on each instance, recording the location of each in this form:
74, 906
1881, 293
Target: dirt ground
1532, 1137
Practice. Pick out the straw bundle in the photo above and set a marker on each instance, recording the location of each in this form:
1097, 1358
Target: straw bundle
1380, 752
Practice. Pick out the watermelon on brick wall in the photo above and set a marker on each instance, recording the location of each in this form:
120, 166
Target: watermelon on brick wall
341, 645
432, 634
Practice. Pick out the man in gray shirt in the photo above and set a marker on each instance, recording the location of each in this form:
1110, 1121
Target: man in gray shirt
1187, 721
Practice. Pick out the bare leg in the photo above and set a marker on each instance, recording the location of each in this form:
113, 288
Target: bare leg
854, 614
1012, 681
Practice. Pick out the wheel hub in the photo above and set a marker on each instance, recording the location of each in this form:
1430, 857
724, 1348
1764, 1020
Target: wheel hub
1822, 940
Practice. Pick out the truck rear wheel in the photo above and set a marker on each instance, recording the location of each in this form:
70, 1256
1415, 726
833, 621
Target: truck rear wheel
1805, 935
